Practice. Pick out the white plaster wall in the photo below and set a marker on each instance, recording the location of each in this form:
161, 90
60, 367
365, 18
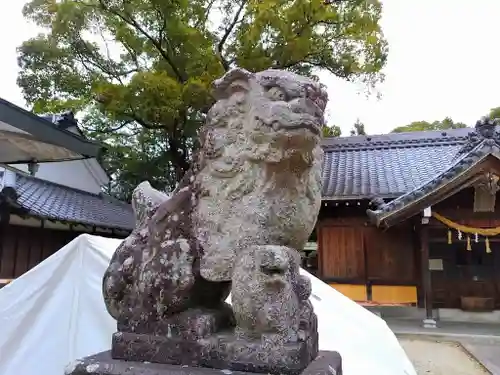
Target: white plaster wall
76, 174
86, 175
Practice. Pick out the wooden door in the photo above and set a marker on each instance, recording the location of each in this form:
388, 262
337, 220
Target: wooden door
342, 253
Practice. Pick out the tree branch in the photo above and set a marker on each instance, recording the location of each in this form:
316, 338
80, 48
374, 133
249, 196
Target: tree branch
227, 33
88, 56
204, 19
291, 64
141, 122
132, 22
180, 163
113, 130
131, 115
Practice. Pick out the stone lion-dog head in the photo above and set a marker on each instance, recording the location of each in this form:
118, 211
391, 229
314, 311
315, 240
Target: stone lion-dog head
272, 117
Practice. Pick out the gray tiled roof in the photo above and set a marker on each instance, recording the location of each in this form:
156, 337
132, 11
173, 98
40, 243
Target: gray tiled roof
52, 201
481, 143
353, 168
387, 165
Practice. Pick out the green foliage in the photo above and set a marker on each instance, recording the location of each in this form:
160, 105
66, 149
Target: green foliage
358, 128
139, 71
494, 113
416, 126
331, 131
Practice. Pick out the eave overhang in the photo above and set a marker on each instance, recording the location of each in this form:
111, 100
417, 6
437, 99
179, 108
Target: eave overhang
38, 139
479, 154
344, 198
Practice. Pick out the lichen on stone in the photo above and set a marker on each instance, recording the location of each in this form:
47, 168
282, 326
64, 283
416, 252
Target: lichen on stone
251, 198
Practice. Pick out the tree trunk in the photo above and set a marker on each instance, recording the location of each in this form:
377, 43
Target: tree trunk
179, 157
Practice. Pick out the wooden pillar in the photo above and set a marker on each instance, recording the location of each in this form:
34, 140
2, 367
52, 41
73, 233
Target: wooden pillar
426, 282
4, 227
319, 249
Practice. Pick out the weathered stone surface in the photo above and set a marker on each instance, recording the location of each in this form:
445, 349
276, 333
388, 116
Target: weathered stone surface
158, 349
255, 181
327, 363
236, 220
258, 356
268, 293
264, 353
191, 324
103, 364
261, 176
221, 351
154, 274
224, 351
276, 328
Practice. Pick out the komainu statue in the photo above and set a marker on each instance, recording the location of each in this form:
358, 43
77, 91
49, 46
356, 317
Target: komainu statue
234, 224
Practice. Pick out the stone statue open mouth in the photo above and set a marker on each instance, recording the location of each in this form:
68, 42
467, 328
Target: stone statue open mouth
312, 126
301, 113
272, 271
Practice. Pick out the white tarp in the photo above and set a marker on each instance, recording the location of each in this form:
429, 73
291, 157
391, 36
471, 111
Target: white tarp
55, 314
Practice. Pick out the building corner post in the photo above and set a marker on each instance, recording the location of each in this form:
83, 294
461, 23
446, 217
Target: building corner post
429, 320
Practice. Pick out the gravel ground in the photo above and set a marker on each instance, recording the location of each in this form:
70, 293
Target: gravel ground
440, 358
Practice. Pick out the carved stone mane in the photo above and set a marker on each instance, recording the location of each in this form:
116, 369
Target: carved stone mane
260, 164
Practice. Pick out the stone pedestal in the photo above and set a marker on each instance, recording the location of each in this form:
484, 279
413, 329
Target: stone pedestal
187, 342
224, 351
429, 323
326, 363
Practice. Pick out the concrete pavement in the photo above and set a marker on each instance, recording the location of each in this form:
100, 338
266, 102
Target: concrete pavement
481, 340
487, 354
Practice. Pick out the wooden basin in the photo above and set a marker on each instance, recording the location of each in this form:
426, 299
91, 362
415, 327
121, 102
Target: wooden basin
477, 303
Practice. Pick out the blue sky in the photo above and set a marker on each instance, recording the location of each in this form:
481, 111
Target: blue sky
443, 61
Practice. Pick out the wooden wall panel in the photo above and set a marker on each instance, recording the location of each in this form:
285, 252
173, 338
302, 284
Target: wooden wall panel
22, 248
353, 250
7, 254
341, 252
391, 255
350, 250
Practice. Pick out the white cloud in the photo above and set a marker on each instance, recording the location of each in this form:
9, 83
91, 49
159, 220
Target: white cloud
443, 61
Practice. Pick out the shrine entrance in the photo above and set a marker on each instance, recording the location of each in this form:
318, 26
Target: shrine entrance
463, 273
464, 254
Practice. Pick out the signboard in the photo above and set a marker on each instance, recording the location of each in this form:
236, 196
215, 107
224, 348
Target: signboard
436, 264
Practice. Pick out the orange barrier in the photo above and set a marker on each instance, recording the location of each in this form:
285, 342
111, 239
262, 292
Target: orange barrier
381, 294
354, 292
389, 294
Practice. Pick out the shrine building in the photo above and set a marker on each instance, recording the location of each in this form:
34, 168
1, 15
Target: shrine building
412, 218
